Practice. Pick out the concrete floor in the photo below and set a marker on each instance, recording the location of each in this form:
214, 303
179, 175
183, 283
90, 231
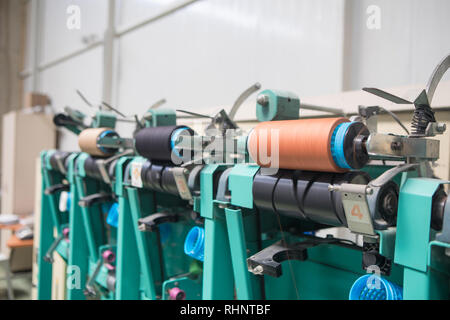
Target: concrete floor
21, 284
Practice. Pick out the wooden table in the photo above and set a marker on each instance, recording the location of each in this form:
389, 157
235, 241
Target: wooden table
13, 241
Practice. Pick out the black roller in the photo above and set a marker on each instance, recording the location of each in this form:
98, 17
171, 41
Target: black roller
168, 181
151, 175
62, 119
155, 143
263, 189
146, 175
158, 178
285, 196
92, 170
64, 156
304, 195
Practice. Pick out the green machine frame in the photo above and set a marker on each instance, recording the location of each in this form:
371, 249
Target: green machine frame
151, 263
53, 221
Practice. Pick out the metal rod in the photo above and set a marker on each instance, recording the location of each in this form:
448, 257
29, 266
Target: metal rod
154, 18
320, 108
28, 73
69, 56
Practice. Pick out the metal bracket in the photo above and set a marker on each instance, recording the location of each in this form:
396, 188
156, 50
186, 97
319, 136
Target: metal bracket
268, 261
96, 198
402, 147
179, 175
151, 222
102, 163
60, 164
391, 173
89, 290
356, 208
361, 201
49, 254
56, 188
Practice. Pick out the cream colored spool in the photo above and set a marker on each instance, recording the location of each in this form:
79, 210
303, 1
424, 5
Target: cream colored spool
88, 138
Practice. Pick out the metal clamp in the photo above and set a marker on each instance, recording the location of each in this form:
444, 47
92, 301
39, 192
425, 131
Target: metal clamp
179, 174
60, 164
49, 254
96, 198
364, 210
89, 290
56, 188
151, 222
268, 261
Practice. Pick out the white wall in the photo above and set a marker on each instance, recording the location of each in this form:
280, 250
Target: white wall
203, 55
413, 38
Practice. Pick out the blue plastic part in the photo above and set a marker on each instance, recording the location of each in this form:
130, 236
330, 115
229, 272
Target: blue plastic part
194, 245
366, 289
69, 200
102, 135
113, 215
174, 138
337, 145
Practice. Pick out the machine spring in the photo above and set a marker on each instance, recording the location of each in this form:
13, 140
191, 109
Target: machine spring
423, 115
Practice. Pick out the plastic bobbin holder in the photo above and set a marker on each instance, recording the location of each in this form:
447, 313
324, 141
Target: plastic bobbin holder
337, 145
106, 133
113, 215
376, 288
194, 245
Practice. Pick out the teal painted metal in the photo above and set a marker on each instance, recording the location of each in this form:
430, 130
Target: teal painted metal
127, 268
51, 220
437, 257
104, 119
161, 117
91, 217
44, 286
387, 242
413, 247
77, 267
218, 282
281, 105
207, 190
90, 223
413, 222
236, 237
240, 183
192, 287
148, 265
128, 271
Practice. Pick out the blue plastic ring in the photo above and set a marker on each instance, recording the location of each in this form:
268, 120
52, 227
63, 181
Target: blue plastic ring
387, 290
337, 145
102, 135
194, 245
174, 138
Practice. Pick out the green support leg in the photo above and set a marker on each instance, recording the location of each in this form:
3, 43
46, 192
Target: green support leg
236, 237
148, 269
77, 268
218, 281
127, 268
91, 218
44, 285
